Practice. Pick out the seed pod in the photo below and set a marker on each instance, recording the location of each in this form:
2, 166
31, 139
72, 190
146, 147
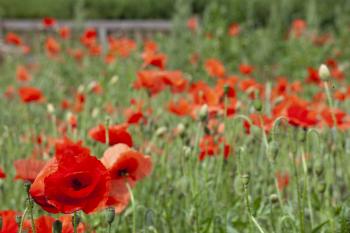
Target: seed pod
57, 226
110, 215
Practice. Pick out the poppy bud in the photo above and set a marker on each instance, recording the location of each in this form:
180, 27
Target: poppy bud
323, 72
57, 226
114, 79
27, 185
161, 131
273, 198
245, 179
81, 89
110, 215
180, 129
50, 108
95, 112
18, 219
257, 105
203, 112
318, 169
321, 187
187, 150
226, 89
76, 219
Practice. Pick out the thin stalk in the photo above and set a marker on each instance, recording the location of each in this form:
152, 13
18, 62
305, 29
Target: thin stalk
133, 208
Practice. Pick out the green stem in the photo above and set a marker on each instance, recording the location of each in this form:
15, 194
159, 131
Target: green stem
22, 220
75, 225
133, 208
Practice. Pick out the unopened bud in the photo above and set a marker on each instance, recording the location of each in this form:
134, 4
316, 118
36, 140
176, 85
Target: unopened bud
274, 198
180, 129
81, 89
50, 108
203, 112
245, 179
273, 149
161, 131
321, 187
57, 226
114, 79
323, 72
257, 105
27, 185
187, 150
226, 89
110, 215
76, 219
95, 112
18, 219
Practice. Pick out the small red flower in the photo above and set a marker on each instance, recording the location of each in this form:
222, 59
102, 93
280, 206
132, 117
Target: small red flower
30, 94
125, 165
215, 68
28, 169
2, 174
116, 134
48, 22
14, 39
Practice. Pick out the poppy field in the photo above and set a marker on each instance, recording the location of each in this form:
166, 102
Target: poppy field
212, 128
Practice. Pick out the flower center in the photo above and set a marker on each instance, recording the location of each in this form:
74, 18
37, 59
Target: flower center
123, 172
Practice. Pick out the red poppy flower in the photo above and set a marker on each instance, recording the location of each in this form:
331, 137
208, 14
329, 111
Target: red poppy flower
48, 22
180, 108
22, 74
83, 181
150, 80
2, 174
28, 169
12, 38
215, 68
52, 47
9, 224
299, 115
282, 180
246, 69
124, 165
154, 59
116, 134
64, 32
313, 76
30, 94
192, 23
234, 30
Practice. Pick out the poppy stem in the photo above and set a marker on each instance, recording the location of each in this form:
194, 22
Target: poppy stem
133, 203
22, 220
75, 221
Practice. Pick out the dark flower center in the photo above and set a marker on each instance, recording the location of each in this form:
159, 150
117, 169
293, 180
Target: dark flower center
77, 184
123, 172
